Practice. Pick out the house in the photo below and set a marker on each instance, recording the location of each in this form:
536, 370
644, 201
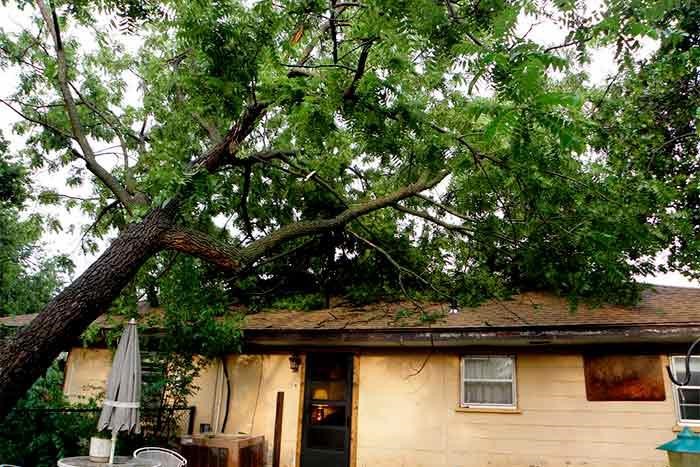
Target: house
519, 383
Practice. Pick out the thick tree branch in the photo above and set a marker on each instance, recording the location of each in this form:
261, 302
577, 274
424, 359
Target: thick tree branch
349, 93
225, 256
300, 229
203, 246
224, 152
91, 163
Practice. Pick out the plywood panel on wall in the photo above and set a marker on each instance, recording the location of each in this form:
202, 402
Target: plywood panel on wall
624, 378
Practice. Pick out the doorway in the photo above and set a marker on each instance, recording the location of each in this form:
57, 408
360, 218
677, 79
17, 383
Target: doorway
327, 410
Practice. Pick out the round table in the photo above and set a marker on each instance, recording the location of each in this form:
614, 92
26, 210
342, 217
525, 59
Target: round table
119, 461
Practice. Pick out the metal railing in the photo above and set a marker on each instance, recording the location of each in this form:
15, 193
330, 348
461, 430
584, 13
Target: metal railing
148, 413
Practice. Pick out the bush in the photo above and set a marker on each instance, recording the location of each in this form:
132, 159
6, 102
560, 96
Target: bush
45, 426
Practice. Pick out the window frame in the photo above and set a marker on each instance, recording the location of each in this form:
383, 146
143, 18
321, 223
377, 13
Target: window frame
676, 401
514, 383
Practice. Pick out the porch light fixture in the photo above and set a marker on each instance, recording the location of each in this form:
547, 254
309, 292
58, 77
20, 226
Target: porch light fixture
684, 451
294, 362
454, 307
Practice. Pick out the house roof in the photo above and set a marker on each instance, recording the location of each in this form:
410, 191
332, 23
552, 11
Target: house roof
659, 306
664, 314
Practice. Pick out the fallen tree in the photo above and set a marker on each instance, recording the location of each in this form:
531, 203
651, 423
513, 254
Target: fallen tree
297, 120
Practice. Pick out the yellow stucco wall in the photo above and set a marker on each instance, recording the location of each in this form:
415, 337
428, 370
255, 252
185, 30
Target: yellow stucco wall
412, 421
86, 373
87, 370
204, 394
255, 380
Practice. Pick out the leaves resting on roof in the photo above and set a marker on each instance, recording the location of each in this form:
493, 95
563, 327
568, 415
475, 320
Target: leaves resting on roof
661, 305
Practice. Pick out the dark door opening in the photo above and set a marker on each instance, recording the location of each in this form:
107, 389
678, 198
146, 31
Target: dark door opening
327, 410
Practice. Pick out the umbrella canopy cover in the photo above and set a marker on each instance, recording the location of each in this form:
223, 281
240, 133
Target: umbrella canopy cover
120, 409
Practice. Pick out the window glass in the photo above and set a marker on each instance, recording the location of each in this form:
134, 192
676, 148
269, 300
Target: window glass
328, 368
679, 370
326, 415
687, 397
488, 381
326, 438
488, 393
480, 368
328, 390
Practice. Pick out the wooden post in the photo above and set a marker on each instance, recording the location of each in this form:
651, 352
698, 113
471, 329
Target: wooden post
277, 442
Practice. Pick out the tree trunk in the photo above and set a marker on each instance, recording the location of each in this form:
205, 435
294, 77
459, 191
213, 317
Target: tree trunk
27, 355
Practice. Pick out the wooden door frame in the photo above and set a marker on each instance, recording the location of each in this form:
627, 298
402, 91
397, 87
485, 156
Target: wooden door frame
354, 408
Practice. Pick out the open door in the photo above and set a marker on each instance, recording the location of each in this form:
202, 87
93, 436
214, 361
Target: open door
327, 410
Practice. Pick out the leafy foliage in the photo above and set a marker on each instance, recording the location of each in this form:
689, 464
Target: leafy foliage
38, 433
554, 183
28, 278
45, 426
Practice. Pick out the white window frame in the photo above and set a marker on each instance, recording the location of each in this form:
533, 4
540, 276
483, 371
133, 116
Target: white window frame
512, 380
676, 400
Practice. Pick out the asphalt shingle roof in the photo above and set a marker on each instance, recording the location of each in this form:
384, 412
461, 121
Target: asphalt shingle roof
660, 306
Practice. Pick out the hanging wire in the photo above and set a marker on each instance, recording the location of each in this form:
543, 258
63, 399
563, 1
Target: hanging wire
686, 379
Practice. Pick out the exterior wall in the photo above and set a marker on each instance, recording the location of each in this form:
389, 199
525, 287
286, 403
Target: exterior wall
414, 420
86, 373
409, 418
205, 395
255, 381
87, 370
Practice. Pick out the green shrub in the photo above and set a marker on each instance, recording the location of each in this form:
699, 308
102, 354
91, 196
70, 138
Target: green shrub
41, 430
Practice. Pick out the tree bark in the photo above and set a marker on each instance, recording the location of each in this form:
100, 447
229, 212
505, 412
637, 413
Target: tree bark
27, 355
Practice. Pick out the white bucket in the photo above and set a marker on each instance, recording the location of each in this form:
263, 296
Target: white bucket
100, 449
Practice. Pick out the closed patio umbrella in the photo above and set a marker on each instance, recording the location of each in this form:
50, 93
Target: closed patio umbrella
120, 409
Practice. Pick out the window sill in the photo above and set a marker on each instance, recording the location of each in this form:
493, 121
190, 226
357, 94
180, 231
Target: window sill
513, 410
678, 428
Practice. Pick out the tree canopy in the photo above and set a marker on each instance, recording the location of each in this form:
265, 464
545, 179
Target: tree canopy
28, 277
303, 149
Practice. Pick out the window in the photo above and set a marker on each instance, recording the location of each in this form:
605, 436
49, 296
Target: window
687, 397
488, 381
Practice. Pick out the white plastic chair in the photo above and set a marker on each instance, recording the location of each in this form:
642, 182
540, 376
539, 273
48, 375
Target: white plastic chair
166, 457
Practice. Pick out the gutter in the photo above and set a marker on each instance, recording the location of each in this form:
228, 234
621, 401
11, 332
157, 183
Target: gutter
475, 336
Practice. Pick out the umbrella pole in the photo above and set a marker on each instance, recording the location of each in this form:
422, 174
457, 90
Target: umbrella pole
114, 446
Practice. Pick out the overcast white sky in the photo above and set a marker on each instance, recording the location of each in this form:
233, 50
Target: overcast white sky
68, 242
